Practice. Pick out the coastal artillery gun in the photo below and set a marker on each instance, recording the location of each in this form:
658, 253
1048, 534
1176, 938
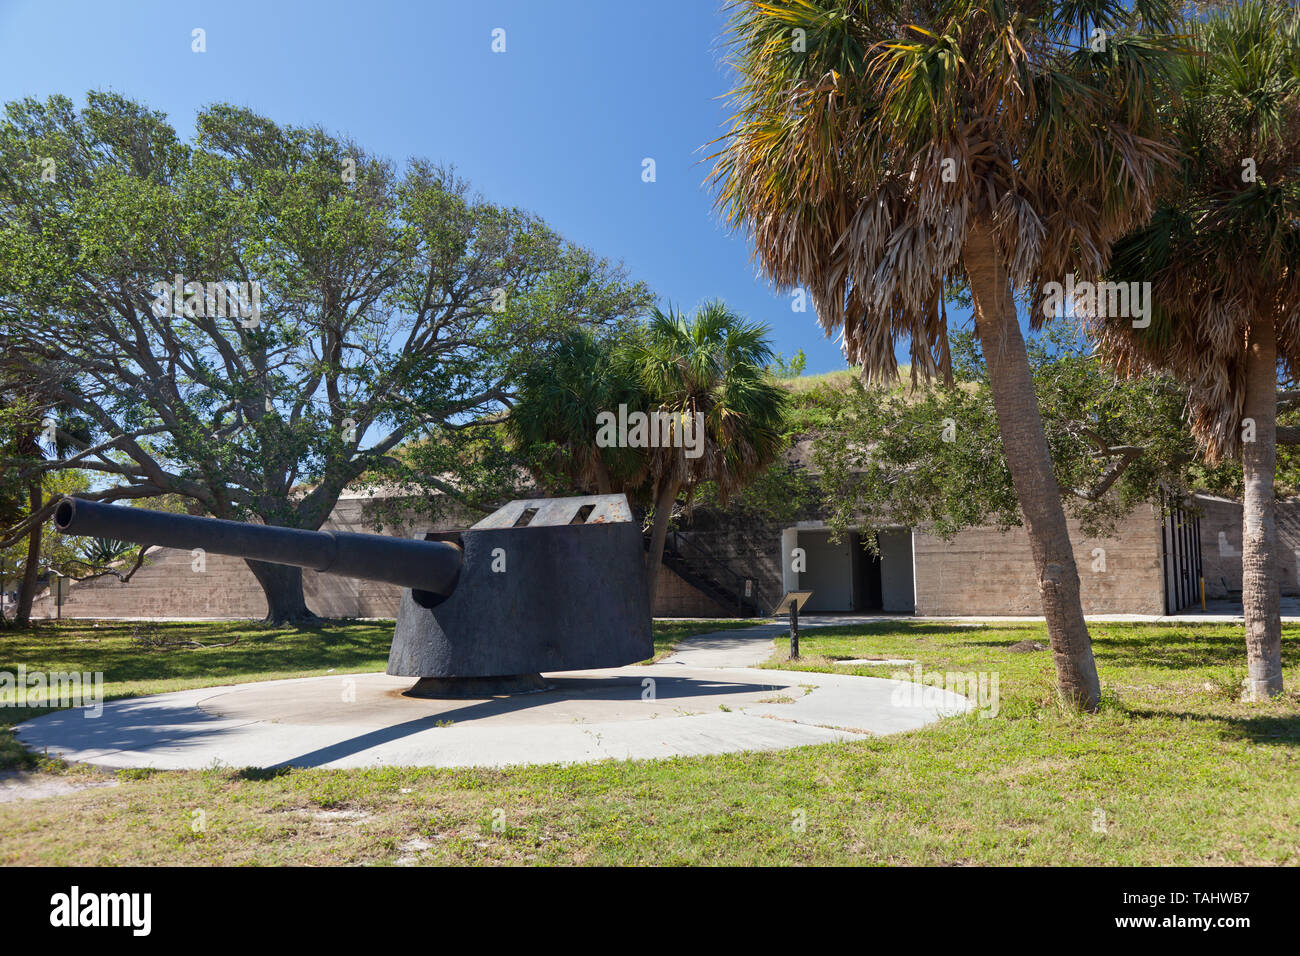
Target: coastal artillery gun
540, 585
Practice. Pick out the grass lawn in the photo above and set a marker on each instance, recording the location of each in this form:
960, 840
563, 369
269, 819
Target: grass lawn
1174, 770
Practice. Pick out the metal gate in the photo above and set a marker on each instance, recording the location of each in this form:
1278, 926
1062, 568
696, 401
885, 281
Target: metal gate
1180, 547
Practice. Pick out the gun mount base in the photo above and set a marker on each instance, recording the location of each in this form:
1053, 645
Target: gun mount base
546, 585
457, 688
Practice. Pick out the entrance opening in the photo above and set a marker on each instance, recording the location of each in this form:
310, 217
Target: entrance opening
868, 593
845, 577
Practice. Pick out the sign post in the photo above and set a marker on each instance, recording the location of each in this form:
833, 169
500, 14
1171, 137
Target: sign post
791, 602
60, 592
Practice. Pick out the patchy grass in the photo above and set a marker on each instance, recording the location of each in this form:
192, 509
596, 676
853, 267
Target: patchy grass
1174, 770
838, 380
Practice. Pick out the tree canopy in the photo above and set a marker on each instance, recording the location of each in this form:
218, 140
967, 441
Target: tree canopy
256, 319
932, 456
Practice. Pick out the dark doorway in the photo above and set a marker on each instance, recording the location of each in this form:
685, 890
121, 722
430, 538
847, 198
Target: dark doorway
868, 595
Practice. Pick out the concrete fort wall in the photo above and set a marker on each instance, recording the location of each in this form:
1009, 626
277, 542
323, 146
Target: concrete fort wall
748, 546
980, 572
1221, 546
983, 571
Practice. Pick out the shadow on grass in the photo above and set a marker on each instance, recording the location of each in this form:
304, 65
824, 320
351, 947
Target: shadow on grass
1178, 649
907, 628
1173, 652
1263, 729
261, 774
1168, 648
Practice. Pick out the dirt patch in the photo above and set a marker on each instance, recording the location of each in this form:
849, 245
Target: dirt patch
1026, 647
340, 816
16, 785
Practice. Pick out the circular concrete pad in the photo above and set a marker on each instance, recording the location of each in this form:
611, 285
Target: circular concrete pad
362, 720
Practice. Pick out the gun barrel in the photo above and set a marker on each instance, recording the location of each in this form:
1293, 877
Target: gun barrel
431, 566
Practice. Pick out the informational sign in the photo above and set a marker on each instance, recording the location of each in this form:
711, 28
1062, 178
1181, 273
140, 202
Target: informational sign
790, 603
796, 598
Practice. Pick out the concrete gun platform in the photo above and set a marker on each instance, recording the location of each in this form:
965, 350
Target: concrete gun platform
705, 699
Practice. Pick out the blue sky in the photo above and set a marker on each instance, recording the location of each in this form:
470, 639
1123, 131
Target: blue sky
558, 124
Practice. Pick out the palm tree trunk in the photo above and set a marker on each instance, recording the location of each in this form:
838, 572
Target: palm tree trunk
603, 485
664, 501
1025, 446
32, 570
1259, 585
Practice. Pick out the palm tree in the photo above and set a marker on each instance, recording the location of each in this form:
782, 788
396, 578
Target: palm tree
883, 152
1222, 254
553, 423
711, 365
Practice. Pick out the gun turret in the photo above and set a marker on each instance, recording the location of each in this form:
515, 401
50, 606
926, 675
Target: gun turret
550, 584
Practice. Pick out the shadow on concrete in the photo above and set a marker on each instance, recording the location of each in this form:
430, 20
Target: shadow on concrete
132, 726
143, 726
568, 688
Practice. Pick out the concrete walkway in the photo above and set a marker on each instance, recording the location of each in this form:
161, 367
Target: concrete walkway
708, 698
